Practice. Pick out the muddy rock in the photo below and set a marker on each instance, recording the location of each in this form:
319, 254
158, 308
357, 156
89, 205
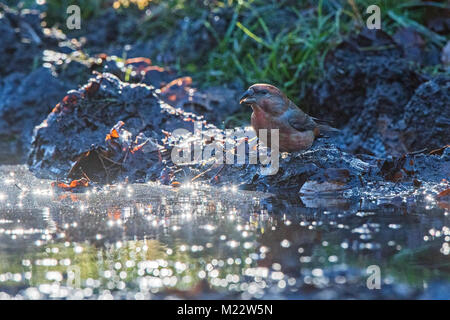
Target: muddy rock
426, 120
158, 77
74, 68
412, 44
23, 39
121, 159
101, 32
25, 100
416, 48
415, 168
215, 103
433, 167
33, 77
20, 41
82, 119
367, 87
190, 39
118, 34
323, 169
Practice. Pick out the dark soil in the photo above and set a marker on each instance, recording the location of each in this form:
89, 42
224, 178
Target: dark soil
372, 90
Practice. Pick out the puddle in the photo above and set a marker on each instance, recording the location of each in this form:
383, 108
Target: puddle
142, 241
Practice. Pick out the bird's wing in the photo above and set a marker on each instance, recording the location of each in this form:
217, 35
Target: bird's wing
322, 121
301, 121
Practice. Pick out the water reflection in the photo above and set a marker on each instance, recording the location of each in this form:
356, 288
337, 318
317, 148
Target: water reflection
144, 241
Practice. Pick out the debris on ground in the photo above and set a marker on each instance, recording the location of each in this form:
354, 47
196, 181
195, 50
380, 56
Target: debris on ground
73, 186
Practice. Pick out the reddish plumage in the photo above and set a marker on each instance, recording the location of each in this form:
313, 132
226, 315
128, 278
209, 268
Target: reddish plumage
273, 110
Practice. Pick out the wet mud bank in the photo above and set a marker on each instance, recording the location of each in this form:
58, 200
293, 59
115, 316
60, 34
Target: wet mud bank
112, 131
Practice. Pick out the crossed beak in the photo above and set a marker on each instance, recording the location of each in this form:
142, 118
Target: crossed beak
248, 98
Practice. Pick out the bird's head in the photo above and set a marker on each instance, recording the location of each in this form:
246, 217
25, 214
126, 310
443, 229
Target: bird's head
265, 96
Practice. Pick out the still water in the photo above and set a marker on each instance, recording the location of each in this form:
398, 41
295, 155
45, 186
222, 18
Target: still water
144, 241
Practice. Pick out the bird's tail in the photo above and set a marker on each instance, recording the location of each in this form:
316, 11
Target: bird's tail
327, 131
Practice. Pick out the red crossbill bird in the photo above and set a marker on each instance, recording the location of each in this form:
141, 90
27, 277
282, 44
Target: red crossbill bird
273, 110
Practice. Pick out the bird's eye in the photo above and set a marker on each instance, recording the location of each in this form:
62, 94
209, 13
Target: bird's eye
264, 91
